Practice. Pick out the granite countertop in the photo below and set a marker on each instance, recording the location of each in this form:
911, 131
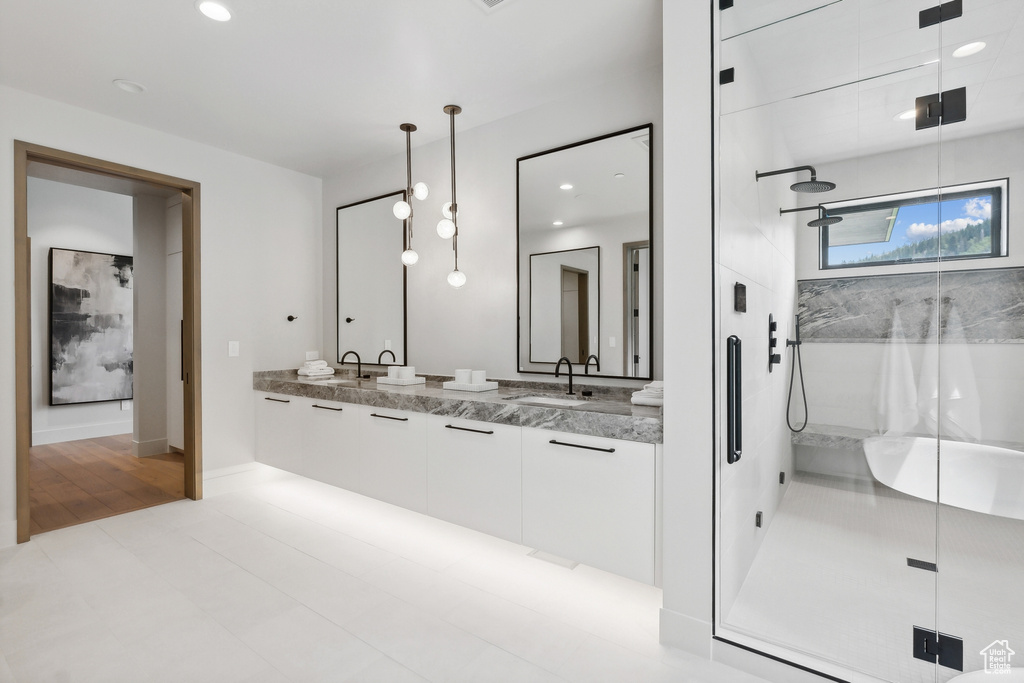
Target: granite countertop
608, 414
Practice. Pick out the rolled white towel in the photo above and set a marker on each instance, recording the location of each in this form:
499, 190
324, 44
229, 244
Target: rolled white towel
640, 400
316, 372
657, 387
315, 364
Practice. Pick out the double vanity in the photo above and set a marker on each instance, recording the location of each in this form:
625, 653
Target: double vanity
574, 478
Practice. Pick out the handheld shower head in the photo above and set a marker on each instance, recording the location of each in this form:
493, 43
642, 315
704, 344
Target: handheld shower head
822, 219
812, 185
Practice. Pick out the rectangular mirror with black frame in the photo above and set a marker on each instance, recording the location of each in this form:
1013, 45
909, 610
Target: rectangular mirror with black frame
371, 281
585, 255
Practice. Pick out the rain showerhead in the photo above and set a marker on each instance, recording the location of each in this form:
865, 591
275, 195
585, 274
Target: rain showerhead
822, 219
812, 185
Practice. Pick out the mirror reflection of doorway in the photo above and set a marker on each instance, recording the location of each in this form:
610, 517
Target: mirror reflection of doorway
575, 314
637, 286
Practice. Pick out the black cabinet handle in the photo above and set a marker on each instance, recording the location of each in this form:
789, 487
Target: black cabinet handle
388, 417
734, 399
275, 400
576, 445
467, 429
337, 410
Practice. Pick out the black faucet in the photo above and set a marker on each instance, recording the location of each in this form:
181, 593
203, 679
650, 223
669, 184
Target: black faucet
393, 359
597, 364
557, 367
359, 363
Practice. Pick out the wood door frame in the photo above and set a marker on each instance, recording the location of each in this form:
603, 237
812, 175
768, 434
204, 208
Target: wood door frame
24, 153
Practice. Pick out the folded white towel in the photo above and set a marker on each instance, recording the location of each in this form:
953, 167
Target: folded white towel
639, 400
657, 387
316, 372
315, 364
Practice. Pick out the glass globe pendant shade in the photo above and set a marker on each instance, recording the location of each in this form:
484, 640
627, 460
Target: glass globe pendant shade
402, 210
445, 229
420, 191
456, 278
410, 257
446, 210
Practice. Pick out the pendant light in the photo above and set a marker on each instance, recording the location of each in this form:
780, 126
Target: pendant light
448, 227
403, 208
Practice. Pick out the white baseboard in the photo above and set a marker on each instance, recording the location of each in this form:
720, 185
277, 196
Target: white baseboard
144, 449
60, 435
685, 633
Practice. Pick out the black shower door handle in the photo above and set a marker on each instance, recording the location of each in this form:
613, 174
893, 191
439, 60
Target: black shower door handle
734, 399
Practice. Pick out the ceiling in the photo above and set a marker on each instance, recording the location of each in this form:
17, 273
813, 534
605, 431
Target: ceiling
320, 85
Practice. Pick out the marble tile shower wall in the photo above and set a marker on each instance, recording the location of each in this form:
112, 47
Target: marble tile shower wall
756, 247
847, 323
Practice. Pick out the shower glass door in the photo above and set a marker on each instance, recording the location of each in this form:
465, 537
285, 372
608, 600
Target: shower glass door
979, 389
827, 532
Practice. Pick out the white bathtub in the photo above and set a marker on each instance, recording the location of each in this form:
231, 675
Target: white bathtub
975, 477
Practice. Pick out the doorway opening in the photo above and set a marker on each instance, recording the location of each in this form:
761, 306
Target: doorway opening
575, 314
155, 197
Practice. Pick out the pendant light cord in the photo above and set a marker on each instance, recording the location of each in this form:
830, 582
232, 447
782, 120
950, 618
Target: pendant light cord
408, 186
455, 206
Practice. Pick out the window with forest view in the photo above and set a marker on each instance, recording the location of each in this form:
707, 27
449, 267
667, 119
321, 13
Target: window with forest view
962, 222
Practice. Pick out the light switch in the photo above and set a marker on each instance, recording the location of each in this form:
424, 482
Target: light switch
126, 405
312, 355
232, 348
611, 342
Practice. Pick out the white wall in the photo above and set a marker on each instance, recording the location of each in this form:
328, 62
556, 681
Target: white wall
475, 326
149, 436
261, 240
69, 217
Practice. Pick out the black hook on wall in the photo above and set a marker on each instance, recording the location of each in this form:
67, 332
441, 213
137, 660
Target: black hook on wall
292, 318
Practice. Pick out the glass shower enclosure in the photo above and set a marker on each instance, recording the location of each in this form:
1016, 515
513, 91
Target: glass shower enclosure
870, 335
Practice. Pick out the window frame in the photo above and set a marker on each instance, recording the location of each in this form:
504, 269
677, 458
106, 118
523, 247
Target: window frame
999, 189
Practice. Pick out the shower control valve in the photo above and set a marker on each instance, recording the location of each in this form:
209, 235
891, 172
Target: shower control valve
773, 358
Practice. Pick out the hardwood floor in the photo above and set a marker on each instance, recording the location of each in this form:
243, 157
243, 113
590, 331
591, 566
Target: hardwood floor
80, 481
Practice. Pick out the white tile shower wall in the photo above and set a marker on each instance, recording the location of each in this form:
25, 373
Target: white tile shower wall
843, 381
756, 247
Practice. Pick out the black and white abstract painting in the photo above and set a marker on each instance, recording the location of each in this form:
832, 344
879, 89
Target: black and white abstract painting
90, 327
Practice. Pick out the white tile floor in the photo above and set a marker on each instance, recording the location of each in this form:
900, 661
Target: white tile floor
273, 577
831, 578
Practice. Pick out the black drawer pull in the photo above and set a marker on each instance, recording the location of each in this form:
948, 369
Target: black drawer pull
576, 445
388, 417
337, 410
275, 400
467, 429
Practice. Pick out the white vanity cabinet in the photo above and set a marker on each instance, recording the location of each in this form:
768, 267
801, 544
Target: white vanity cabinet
277, 442
474, 475
330, 442
393, 456
591, 499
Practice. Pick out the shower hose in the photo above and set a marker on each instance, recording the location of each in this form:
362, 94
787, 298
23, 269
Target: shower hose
803, 390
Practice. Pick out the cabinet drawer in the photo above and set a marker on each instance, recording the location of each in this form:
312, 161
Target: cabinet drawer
474, 475
591, 500
393, 456
277, 439
330, 442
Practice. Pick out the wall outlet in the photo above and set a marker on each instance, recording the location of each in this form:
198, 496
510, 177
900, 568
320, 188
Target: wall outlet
387, 344
312, 355
126, 405
232, 349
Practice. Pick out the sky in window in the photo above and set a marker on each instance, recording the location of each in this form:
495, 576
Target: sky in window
918, 222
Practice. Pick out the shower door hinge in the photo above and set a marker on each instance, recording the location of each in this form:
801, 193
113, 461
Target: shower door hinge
937, 109
940, 13
726, 76
724, 4
636, 359
932, 646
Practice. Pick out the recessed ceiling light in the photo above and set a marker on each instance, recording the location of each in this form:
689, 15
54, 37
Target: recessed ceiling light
214, 10
969, 49
129, 86
619, 175
565, 186
905, 115
558, 223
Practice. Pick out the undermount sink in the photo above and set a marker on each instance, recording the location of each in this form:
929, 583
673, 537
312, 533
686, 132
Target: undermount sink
547, 401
